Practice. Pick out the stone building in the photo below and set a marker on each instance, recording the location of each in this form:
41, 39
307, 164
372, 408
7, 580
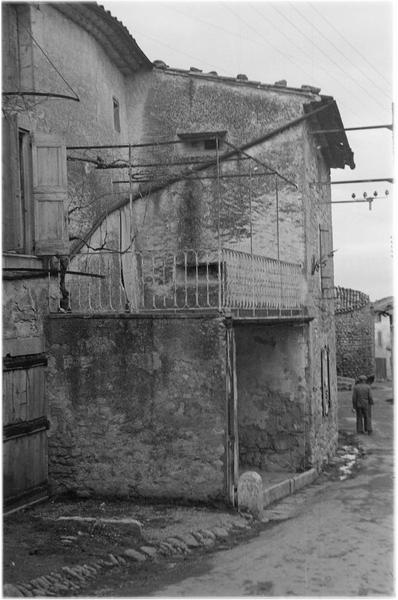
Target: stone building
51, 98
355, 346
196, 332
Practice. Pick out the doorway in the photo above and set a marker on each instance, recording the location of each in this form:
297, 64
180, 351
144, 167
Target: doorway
271, 387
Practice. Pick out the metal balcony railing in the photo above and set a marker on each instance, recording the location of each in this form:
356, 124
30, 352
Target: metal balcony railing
186, 280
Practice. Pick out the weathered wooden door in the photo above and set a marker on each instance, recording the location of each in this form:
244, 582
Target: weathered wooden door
25, 425
232, 462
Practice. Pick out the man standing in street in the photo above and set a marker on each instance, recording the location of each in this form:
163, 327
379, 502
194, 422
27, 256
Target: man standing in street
362, 401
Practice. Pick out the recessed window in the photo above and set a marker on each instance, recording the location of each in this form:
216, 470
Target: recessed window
210, 144
203, 140
116, 114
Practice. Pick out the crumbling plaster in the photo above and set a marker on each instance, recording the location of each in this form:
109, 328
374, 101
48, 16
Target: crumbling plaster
137, 406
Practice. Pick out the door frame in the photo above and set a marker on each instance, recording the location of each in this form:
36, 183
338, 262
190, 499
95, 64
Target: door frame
232, 436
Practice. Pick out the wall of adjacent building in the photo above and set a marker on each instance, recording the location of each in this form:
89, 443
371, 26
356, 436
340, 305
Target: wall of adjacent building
383, 343
137, 406
320, 280
355, 337
95, 78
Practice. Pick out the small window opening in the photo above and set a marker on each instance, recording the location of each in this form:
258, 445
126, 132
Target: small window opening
116, 114
203, 141
211, 144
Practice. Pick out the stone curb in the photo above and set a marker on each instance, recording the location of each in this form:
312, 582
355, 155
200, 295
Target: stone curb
288, 486
72, 579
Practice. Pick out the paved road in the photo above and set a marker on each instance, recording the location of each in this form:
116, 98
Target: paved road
337, 541
334, 538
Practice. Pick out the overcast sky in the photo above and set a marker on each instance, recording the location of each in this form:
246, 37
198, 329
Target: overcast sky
345, 48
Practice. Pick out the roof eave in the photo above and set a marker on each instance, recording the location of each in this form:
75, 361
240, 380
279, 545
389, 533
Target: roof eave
109, 32
335, 146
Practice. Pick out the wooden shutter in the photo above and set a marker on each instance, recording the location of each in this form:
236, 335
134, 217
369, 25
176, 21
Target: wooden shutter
325, 380
12, 217
50, 195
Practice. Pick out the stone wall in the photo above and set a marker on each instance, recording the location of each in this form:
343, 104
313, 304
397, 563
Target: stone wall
137, 406
355, 344
25, 305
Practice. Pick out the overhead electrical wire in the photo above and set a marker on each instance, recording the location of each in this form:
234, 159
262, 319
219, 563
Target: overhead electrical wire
341, 83
344, 56
382, 90
177, 50
205, 22
360, 98
267, 42
233, 33
311, 57
368, 94
351, 45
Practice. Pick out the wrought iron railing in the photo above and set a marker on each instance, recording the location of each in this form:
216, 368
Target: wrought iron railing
186, 280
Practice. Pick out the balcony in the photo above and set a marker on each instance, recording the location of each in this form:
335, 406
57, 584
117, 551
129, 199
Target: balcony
191, 280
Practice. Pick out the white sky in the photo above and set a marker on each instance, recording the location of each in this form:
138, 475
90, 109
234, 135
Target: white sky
345, 48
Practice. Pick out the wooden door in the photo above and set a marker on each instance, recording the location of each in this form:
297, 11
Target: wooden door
25, 424
232, 462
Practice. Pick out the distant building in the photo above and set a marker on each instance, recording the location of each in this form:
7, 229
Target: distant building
355, 346
383, 330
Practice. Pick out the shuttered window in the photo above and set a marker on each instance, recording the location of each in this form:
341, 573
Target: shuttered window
49, 195
34, 192
325, 381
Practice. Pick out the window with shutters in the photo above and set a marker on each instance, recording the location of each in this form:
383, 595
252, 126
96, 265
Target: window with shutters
25, 189
49, 195
17, 187
34, 193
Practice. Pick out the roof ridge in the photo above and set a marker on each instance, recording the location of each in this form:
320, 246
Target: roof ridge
240, 79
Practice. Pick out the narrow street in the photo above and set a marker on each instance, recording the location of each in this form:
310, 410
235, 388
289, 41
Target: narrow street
334, 538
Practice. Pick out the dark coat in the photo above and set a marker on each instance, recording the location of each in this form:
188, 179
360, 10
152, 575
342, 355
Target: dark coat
361, 396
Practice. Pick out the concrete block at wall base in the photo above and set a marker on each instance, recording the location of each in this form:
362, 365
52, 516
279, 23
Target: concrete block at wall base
250, 493
276, 492
303, 479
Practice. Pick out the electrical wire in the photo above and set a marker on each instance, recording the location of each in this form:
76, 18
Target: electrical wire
307, 54
360, 98
178, 50
341, 83
254, 41
351, 45
368, 94
311, 56
267, 42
